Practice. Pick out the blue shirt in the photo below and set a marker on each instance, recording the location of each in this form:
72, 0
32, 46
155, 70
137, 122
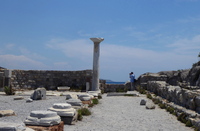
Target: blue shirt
132, 78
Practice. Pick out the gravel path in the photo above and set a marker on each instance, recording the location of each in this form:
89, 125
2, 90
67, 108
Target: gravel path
116, 113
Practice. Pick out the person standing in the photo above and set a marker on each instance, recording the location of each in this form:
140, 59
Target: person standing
132, 80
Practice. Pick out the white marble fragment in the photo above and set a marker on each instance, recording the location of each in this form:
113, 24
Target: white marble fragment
43, 118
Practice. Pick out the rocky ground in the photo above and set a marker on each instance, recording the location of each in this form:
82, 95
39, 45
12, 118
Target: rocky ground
113, 113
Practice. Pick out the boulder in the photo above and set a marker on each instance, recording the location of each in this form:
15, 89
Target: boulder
42, 118
39, 94
150, 105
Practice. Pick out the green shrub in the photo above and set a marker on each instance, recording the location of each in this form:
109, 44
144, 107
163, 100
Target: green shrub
9, 90
188, 123
170, 109
85, 112
174, 113
95, 101
182, 118
155, 101
149, 96
80, 117
162, 106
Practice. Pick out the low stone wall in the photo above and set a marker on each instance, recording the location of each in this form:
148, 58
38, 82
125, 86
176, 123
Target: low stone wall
115, 88
32, 79
189, 99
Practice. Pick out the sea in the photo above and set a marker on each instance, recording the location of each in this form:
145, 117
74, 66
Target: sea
113, 82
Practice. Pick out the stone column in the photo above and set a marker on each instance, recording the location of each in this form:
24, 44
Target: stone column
95, 75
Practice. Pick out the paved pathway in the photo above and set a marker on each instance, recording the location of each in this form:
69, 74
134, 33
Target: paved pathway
120, 113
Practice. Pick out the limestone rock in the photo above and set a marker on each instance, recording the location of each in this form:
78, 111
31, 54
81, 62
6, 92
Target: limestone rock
6, 113
39, 94
18, 98
143, 102
42, 118
150, 105
29, 100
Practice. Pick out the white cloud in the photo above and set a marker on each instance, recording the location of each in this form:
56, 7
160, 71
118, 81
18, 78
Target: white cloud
80, 49
20, 62
30, 54
187, 46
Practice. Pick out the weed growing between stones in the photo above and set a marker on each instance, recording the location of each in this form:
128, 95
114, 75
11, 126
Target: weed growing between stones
9, 90
156, 101
188, 123
162, 106
170, 110
80, 117
95, 101
149, 96
83, 112
182, 118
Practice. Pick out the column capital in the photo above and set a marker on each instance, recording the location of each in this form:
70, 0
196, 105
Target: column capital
97, 40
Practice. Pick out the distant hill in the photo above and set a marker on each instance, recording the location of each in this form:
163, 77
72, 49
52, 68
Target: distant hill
2, 67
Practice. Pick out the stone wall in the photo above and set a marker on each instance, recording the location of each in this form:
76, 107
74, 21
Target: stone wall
189, 99
32, 79
114, 88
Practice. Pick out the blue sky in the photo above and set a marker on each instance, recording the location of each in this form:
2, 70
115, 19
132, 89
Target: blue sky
139, 35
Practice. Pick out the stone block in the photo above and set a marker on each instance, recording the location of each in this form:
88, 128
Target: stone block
63, 88
70, 120
42, 118
74, 102
59, 127
18, 98
143, 102
6, 113
63, 109
39, 94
